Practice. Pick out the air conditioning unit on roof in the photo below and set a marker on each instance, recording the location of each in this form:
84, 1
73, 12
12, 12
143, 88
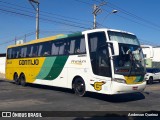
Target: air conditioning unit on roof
19, 42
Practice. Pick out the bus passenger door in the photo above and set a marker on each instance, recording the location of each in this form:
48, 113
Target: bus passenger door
103, 62
99, 57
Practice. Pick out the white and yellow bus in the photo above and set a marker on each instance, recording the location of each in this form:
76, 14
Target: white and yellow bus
104, 61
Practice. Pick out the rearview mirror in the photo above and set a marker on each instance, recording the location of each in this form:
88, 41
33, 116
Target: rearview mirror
115, 48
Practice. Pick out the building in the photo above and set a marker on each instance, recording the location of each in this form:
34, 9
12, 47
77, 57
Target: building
152, 56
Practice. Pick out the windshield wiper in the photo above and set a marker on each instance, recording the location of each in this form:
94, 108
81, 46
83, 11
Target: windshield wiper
135, 63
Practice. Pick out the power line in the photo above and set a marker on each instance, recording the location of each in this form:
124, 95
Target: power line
6, 42
20, 37
146, 42
25, 11
44, 19
29, 15
133, 15
109, 4
43, 13
131, 20
149, 24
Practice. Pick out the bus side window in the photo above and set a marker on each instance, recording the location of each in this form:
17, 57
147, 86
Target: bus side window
46, 49
72, 46
13, 53
9, 53
29, 51
55, 49
35, 51
61, 48
23, 52
18, 52
82, 45
66, 47
40, 53
77, 46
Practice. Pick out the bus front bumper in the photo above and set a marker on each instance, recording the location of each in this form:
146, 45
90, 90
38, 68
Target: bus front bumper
122, 88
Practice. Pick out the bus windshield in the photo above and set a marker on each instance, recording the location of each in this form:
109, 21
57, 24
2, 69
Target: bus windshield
130, 60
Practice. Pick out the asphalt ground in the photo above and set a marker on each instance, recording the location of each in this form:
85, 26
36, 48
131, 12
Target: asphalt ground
60, 102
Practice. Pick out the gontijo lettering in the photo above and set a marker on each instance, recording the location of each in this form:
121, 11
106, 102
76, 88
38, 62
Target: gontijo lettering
29, 62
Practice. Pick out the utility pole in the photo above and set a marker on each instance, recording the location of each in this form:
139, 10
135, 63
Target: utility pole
96, 10
25, 38
15, 39
37, 15
94, 16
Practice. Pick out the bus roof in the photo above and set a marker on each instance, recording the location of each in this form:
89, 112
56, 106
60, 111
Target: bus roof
105, 29
47, 39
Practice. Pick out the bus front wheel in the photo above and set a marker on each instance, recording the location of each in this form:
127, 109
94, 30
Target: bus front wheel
22, 80
79, 87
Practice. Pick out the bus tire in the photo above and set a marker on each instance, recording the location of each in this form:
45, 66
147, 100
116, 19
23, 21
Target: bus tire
16, 79
79, 87
22, 80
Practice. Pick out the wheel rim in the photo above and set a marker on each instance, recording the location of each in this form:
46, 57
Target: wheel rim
79, 88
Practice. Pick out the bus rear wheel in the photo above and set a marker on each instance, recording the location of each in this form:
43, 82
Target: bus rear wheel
22, 80
16, 79
79, 87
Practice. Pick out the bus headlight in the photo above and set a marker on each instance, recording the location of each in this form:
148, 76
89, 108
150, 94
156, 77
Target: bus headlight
119, 80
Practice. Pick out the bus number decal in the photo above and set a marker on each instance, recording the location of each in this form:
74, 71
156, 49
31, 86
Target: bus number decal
98, 85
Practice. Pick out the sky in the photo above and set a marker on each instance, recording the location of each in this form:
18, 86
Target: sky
17, 18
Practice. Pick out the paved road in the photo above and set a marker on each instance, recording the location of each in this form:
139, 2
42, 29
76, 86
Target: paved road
43, 98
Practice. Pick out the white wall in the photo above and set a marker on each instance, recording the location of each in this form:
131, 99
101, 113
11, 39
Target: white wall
156, 51
148, 51
2, 66
151, 52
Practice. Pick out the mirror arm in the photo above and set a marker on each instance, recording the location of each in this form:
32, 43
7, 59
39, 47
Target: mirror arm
115, 47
